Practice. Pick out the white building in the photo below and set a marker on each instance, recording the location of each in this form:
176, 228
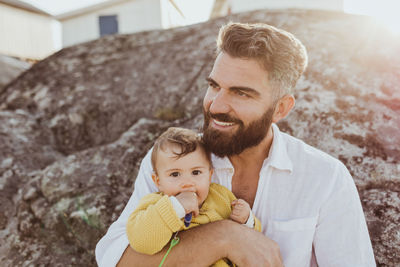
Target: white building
129, 16
27, 32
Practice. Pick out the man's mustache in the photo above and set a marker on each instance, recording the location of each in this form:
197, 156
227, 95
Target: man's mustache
223, 117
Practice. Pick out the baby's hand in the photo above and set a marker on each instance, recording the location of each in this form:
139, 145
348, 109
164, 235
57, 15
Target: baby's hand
240, 211
189, 202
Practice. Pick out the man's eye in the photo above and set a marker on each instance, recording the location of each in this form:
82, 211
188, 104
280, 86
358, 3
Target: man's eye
212, 85
174, 174
196, 172
240, 93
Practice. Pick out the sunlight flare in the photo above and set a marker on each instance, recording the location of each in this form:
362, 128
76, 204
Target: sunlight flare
385, 12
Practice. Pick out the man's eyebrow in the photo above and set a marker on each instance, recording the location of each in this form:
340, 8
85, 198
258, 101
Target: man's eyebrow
245, 89
209, 79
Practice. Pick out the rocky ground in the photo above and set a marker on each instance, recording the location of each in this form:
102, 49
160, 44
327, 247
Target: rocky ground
10, 68
74, 128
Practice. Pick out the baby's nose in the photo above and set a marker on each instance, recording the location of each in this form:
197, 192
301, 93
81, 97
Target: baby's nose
187, 185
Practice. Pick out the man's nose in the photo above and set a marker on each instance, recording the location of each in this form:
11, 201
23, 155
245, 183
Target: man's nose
220, 102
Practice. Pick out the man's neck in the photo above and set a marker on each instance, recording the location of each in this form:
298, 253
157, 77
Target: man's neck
253, 156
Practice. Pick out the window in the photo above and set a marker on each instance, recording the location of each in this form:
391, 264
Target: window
108, 25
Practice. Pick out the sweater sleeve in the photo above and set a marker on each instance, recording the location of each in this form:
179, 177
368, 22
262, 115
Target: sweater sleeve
257, 224
151, 225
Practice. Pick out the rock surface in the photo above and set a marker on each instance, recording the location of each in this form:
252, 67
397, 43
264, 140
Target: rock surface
75, 127
10, 68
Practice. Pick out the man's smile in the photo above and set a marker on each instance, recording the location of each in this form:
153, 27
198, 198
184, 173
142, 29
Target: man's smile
222, 123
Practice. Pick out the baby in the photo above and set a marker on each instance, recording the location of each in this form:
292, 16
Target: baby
182, 172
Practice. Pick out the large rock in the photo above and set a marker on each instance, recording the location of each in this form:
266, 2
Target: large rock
76, 125
10, 68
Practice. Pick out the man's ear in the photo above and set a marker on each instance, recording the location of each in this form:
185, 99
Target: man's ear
155, 178
284, 105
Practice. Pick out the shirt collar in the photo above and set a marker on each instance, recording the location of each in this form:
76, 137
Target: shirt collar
278, 155
221, 163
277, 158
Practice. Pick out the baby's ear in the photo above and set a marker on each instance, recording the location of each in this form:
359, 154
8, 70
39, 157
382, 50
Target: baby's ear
211, 173
155, 178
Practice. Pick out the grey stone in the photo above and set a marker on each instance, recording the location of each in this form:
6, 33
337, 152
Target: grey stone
10, 69
74, 128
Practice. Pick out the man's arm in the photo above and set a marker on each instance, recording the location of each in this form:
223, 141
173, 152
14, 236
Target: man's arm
341, 237
205, 244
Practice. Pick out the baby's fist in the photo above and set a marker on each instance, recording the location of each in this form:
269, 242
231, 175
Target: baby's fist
240, 211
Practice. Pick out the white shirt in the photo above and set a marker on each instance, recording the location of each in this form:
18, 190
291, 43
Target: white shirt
306, 201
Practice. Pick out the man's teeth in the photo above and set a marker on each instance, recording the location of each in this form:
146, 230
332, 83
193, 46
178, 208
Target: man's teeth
221, 123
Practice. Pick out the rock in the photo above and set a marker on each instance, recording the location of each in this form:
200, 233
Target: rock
10, 69
75, 127
381, 204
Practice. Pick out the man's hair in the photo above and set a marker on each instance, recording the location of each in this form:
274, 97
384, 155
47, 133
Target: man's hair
281, 54
187, 140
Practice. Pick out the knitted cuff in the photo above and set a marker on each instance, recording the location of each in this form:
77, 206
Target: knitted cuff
168, 214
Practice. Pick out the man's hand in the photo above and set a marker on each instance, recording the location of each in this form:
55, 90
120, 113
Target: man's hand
189, 202
252, 248
240, 211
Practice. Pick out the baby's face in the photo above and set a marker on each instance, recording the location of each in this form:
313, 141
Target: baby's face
191, 173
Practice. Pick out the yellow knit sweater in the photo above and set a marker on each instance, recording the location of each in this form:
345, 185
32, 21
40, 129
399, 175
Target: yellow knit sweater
151, 225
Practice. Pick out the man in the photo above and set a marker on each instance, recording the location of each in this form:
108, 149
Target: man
306, 200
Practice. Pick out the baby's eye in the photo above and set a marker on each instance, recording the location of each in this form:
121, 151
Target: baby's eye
196, 172
174, 174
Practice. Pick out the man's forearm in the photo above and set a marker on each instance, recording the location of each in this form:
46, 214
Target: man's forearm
206, 244
199, 246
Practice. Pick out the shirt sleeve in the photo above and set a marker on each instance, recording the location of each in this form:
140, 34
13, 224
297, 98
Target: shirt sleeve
111, 246
341, 237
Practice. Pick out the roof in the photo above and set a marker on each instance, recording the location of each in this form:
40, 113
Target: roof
89, 9
99, 6
24, 6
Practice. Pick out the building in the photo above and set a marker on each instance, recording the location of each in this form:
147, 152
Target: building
129, 16
31, 33
27, 32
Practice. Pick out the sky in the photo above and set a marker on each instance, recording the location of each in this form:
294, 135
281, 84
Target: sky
354, 6
385, 11
56, 7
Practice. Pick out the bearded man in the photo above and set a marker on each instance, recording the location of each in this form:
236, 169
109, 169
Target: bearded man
306, 200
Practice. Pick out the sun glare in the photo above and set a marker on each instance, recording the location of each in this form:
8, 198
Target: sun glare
385, 11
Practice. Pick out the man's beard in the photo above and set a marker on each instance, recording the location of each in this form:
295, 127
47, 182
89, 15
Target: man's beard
227, 144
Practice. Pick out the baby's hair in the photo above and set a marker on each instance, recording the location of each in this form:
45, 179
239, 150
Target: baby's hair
186, 139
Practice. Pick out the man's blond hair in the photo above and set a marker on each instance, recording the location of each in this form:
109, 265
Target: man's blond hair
281, 54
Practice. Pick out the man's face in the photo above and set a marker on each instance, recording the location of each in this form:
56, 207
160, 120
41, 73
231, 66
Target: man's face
238, 106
